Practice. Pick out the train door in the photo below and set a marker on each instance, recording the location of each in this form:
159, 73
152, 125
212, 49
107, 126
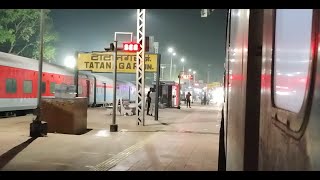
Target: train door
237, 77
174, 96
88, 90
243, 74
169, 96
177, 98
253, 86
104, 92
223, 140
129, 90
224, 124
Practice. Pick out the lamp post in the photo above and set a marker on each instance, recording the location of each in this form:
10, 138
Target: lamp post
208, 75
182, 60
162, 68
189, 78
114, 125
179, 94
174, 71
170, 50
194, 77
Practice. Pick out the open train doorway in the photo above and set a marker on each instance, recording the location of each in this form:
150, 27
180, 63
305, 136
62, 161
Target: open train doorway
88, 90
104, 92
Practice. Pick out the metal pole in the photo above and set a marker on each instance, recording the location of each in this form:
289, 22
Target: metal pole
171, 68
114, 126
40, 65
154, 76
179, 91
114, 84
76, 75
129, 93
189, 79
183, 68
36, 127
174, 70
140, 102
156, 114
162, 73
40, 68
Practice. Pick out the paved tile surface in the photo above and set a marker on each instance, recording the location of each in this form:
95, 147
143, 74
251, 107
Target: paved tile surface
185, 139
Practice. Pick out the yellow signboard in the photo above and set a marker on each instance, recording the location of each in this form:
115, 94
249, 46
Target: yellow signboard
103, 62
213, 85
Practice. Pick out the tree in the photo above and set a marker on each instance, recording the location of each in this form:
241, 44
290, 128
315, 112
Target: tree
20, 33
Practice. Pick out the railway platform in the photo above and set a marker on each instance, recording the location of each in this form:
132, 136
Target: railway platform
185, 139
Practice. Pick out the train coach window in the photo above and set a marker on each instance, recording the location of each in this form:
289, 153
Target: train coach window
27, 86
11, 86
52, 87
292, 58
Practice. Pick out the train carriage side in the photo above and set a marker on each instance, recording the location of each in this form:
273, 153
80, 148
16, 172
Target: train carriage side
103, 90
126, 90
19, 82
133, 92
272, 90
236, 73
86, 84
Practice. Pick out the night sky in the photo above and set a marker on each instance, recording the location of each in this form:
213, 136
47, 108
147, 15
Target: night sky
201, 41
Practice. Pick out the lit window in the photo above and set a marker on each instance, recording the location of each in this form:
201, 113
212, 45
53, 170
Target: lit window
291, 57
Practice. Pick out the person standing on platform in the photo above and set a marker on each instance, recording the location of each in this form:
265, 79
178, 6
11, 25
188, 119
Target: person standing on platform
148, 101
188, 97
153, 102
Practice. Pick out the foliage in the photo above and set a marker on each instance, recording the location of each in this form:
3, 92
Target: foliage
20, 33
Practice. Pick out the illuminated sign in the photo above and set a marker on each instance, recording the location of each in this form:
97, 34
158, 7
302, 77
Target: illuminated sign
131, 47
103, 62
214, 84
186, 76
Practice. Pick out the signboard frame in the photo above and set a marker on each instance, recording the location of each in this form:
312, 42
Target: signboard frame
126, 62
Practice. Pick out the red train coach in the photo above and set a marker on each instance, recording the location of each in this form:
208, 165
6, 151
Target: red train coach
19, 82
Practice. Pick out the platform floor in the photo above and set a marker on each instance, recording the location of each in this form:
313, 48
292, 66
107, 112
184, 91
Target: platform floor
185, 139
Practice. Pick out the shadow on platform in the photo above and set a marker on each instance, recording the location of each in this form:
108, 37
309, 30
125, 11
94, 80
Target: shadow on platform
9, 155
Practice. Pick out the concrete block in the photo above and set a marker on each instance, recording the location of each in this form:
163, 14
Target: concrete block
67, 116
